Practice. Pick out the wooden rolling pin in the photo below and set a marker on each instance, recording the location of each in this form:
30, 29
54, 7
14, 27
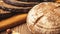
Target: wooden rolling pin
13, 21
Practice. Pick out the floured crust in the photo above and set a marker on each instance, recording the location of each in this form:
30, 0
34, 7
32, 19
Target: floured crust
44, 18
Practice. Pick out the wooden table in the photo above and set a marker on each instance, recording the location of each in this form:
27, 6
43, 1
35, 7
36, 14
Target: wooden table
22, 29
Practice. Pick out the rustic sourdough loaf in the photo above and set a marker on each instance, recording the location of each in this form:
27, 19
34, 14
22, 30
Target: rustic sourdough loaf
44, 18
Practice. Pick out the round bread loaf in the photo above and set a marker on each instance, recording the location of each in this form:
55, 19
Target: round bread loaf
44, 18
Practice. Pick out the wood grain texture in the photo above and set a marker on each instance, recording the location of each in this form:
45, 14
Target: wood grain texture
22, 29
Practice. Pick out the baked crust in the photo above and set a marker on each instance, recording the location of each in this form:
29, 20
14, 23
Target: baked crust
44, 18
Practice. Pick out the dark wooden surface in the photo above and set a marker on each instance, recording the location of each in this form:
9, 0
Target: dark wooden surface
21, 29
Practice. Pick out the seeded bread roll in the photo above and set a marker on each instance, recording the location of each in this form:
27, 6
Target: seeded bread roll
44, 18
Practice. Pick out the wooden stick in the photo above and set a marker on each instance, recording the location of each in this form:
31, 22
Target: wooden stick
13, 21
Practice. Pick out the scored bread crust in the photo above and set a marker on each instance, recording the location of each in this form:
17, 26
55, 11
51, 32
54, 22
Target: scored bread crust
44, 18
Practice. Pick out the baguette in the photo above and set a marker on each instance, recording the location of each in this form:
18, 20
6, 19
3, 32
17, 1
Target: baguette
13, 21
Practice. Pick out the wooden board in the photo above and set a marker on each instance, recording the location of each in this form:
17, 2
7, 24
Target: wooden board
22, 29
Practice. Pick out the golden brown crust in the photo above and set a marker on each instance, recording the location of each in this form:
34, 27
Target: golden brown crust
44, 18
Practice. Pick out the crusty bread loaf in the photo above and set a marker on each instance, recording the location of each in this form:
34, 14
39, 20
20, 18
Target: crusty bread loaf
44, 18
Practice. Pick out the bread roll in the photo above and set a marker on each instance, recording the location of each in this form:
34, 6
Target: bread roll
44, 18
